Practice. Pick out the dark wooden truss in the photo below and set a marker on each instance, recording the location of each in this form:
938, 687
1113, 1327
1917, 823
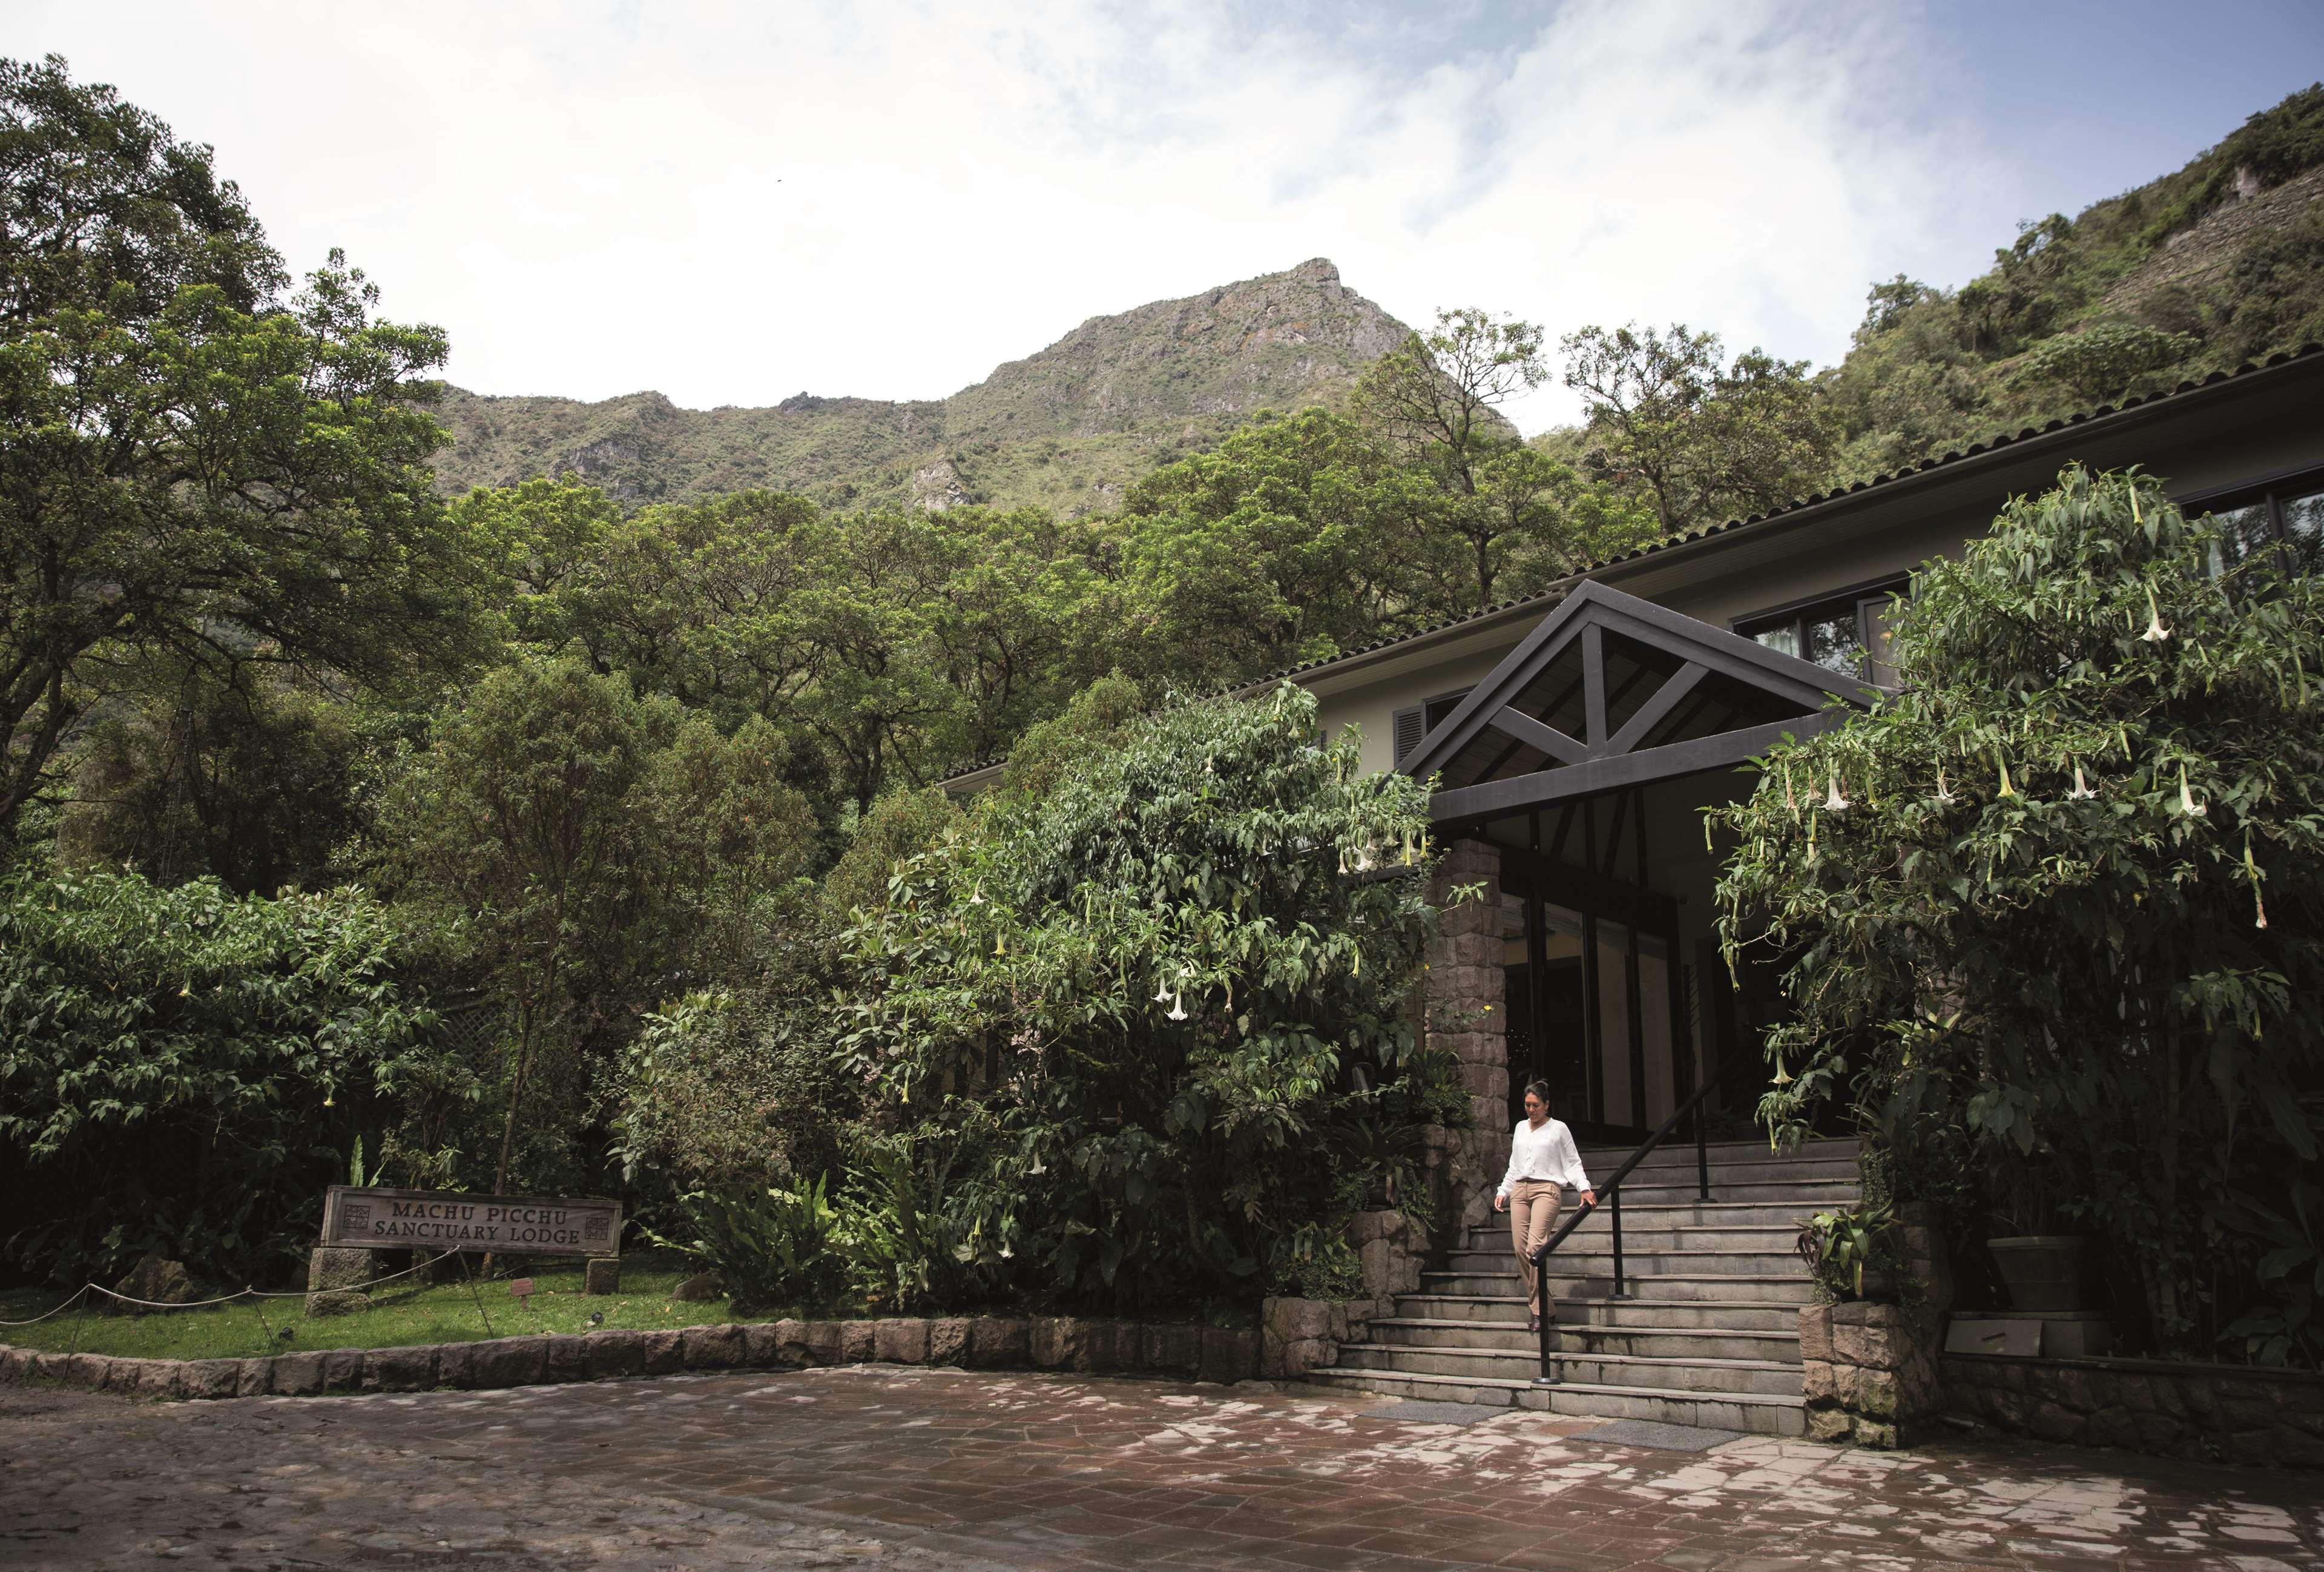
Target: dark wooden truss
1611, 692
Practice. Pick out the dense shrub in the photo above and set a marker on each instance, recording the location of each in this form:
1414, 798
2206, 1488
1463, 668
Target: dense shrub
2054, 914
185, 1071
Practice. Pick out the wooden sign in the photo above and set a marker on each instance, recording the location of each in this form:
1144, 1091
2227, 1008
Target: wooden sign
381, 1219
523, 1289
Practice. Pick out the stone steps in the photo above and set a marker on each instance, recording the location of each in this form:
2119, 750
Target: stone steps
1595, 1258
1709, 1337
1642, 1234
1720, 1341
1670, 1285
1758, 1377
1506, 1308
1752, 1413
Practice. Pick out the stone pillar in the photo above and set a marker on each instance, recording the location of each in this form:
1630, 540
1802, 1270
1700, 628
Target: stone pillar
602, 1274
331, 1274
1468, 1016
1870, 1373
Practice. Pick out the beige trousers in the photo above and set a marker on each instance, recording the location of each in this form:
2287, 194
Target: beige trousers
1533, 1217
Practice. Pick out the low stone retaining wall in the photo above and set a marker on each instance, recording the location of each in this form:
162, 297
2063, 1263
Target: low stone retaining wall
2226, 1413
1213, 1353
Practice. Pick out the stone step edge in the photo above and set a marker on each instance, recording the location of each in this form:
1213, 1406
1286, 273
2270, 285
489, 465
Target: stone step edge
1584, 1327
1533, 1357
1068, 1343
1346, 1375
1631, 1303
1631, 1275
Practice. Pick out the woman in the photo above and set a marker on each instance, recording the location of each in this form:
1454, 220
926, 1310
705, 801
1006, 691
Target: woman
1543, 1160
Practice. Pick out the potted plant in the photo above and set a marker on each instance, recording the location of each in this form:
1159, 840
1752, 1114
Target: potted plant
2043, 1267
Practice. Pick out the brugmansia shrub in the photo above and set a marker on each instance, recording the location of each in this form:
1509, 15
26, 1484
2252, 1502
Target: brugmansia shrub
2055, 906
1099, 1043
185, 1071
1106, 1034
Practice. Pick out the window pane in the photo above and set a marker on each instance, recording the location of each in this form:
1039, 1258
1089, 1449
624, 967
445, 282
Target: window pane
1883, 665
2241, 532
1835, 644
2303, 531
1784, 640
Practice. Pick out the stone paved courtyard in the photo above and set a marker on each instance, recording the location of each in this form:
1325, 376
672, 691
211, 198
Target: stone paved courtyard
907, 1469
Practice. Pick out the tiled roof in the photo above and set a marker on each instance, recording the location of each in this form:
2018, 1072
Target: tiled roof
1551, 597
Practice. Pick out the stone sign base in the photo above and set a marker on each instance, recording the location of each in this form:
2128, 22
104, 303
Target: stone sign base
602, 1275
331, 1277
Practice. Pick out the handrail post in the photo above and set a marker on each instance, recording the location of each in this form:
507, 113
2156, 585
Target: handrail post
1702, 1154
1548, 1376
1616, 1199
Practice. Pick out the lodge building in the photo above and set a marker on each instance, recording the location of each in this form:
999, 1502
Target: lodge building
1576, 734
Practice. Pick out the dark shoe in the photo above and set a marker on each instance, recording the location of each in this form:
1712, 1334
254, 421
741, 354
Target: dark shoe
1533, 1324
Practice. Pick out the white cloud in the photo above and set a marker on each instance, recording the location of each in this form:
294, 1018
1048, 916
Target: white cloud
732, 203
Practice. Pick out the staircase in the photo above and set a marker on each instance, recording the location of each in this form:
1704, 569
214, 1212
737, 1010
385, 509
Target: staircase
1709, 1337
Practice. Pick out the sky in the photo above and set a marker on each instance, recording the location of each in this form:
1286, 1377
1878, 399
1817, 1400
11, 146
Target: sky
734, 203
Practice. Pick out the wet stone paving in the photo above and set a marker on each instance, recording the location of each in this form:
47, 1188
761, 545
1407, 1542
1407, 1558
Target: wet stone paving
939, 1469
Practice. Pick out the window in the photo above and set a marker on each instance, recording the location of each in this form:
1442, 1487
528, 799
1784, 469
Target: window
1847, 633
1417, 722
2287, 516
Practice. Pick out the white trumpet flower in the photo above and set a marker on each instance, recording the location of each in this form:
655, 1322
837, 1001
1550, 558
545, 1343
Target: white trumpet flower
1833, 801
2155, 631
2082, 791
1177, 1008
2187, 803
1944, 797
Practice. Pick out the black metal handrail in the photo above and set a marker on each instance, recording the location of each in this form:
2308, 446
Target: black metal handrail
1610, 1195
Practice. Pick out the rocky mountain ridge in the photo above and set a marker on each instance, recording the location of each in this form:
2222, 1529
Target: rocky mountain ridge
1065, 429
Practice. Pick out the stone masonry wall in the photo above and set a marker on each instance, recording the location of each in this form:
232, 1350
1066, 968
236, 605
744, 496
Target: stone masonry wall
1217, 1353
1467, 1014
2208, 1412
1298, 1336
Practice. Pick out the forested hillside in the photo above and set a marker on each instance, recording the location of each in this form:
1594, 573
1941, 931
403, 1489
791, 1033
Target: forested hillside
1066, 428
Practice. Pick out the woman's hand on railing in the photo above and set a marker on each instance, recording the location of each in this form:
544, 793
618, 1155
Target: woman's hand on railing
1589, 1198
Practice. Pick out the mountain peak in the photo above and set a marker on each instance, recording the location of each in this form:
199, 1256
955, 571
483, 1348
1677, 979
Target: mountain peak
1065, 428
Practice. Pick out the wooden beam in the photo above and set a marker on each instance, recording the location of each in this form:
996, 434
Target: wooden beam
1593, 684
1543, 738
1666, 699
1581, 890
1495, 799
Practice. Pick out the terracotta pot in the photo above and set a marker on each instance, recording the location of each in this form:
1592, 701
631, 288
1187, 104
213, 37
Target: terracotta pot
2048, 1271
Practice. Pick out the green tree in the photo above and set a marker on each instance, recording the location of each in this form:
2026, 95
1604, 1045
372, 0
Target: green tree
588, 852
1434, 400
1107, 1037
2056, 906
191, 462
184, 1070
1699, 439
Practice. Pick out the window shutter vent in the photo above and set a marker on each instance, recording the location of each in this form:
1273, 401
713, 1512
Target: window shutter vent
1409, 730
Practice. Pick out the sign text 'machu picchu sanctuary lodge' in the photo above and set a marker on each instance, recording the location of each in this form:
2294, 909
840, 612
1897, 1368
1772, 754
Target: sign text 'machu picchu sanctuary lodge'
383, 1219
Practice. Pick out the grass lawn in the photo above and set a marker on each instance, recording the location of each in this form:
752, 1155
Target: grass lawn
400, 1316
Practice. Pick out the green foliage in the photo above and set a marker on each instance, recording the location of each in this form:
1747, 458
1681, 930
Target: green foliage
899, 825
769, 1247
184, 1070
729, 1092
2055, 906
1122, 1010
192, 464
2101, 362
2087, 310
582, 849
223, 770
1693, 440
1846, 1247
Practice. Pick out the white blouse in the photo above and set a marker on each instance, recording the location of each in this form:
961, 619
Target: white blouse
1547, 1153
